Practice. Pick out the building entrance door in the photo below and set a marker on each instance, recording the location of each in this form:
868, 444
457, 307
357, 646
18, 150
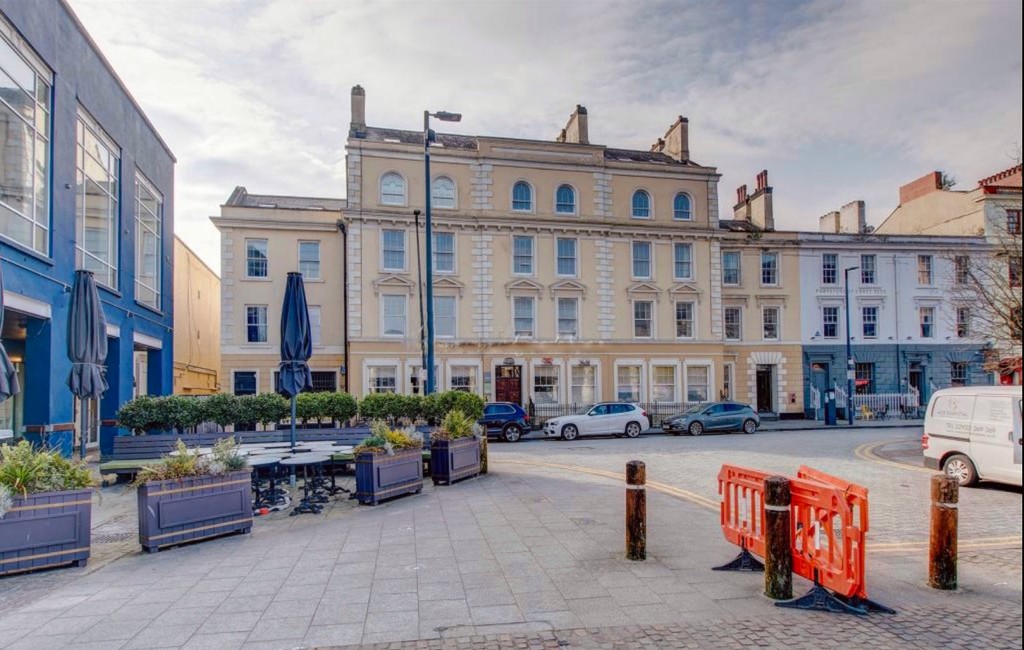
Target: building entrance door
765, 403
508, 384
819, 381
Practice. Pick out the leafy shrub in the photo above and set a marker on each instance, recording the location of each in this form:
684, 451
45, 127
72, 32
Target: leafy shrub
385, 440
221, 409
456, 425
6, 500
308, 407
378, 406
471, 404
227, 455
179, 412
139, 415
263, 408
187, 463
25, 470
339, 407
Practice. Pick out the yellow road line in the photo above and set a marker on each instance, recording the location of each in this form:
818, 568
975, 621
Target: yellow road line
867, 452
980, 543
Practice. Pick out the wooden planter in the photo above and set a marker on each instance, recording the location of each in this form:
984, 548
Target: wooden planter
379, 476
454, 460
46, 530
193, 509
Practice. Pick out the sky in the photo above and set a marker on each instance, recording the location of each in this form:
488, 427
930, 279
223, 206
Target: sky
840, 101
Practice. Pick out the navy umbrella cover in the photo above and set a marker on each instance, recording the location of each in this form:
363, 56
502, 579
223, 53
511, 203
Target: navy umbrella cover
87, 339
296, 339
9, 386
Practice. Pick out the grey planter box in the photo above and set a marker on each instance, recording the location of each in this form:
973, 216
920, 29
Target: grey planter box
46, 530
454, 460
193, 509
379, 476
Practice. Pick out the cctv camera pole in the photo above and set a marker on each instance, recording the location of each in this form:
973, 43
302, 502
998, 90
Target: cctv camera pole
419, 271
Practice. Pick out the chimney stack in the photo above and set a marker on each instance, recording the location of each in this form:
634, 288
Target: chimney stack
677, 140
358, 124
762, 180
576, 131
924, 185
756, 208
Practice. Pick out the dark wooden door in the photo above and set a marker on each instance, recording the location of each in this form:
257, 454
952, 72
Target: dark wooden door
508, 384
764, 389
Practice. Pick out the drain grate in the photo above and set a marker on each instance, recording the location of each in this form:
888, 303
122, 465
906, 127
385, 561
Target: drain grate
116, 530
110, 538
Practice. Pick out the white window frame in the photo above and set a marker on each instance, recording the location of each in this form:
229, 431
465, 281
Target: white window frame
963, 322
266, 257
109, 275
265, 325
405, 315
739, 268
653, 319
674, 393
454, 253
650, 259
369, 371
693, 319
512, 197
864, 269
650, 204
455, 316
676, 247
575, 201
930, 270
515, 332
725, 328
405, 251
316, 332
404, 202
864, 321
641, 376
595, 370
143, 183
319, 260
834, 269
533, 256
775, 255
473, 369
575, 258
778, 322
536, 367
558, 317
237, 371
921, 312
433, 193
838, 322
709, 367
674, 213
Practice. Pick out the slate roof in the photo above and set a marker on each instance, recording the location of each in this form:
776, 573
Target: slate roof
635, 155
737, 225
241, 198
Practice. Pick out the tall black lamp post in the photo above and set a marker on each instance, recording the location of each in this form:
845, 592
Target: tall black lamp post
850, 367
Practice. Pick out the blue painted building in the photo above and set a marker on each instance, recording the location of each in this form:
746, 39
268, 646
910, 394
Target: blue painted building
85, 182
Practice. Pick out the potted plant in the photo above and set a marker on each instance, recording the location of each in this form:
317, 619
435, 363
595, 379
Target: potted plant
45, 509
389, 463
455, 449
187, 497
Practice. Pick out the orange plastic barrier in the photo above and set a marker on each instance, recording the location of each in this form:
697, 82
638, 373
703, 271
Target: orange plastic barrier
829, 519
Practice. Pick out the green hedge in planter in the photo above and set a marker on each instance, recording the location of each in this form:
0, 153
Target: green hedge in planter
434, 407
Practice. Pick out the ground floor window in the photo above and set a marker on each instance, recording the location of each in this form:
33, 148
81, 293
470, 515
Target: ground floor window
727, 371
244, 382
545, 384
697, 379
324, 381
864, 378
464, 378
958, 373
584, 384
663, 387
383, 379
628, 383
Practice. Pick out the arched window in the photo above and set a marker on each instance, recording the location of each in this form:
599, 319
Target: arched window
522, 197
392, 189
443, 194
681, 208
641, 204
565, 200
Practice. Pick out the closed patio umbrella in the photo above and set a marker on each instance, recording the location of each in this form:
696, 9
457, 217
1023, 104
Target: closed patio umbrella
296, 345
87, 347
9, 386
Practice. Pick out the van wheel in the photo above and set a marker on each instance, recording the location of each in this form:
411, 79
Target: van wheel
961, 468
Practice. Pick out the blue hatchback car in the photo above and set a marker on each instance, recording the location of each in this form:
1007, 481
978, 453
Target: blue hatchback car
505, 420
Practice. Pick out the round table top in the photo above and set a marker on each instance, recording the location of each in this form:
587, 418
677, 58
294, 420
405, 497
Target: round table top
260, 461
202, 451
276, 445
305, 459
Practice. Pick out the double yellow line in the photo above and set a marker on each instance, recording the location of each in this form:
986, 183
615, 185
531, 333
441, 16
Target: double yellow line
981, 543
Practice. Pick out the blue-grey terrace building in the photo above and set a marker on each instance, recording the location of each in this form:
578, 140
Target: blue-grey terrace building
85, 182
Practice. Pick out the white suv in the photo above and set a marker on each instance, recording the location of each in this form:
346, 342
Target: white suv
608, 418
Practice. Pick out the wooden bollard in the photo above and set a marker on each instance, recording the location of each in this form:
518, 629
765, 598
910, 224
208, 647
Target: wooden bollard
778, 556
483, 454
636, 510
942, 541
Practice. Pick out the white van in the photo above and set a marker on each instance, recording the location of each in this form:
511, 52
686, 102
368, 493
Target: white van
973, 433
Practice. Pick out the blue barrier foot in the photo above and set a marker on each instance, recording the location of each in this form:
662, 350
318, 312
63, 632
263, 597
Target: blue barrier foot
743, 562
868, 605
822, 600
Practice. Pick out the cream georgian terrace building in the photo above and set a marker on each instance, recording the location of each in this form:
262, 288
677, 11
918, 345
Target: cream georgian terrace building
565, 271
262, 239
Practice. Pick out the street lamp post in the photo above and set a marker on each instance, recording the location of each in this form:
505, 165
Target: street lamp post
850, 368
428, 234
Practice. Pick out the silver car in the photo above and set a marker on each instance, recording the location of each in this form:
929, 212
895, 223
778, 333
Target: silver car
713, 416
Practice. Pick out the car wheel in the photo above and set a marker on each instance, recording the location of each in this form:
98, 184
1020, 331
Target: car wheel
960, 468
633, 429
569, 432
696, 428
512, 433
749, 426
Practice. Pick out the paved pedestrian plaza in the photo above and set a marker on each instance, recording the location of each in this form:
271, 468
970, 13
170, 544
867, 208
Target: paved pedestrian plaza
531, 556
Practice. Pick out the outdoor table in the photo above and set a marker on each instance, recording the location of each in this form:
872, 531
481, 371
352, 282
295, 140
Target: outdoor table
270, 497
202, 451
276, 445
311, 499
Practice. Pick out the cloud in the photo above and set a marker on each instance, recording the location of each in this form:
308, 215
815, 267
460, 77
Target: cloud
839, 100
